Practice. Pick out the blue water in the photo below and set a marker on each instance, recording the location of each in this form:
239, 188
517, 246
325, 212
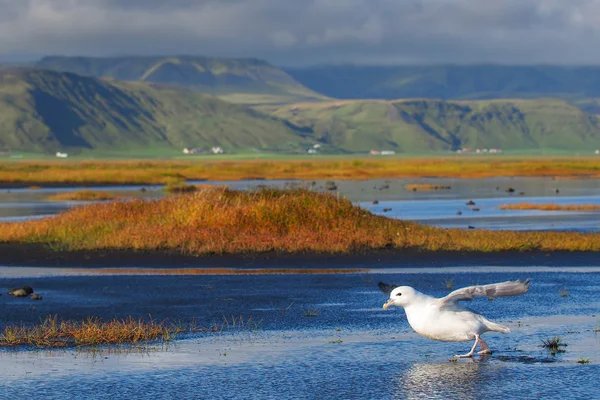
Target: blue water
351, 349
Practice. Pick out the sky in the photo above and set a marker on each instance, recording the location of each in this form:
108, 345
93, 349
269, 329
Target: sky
308, 32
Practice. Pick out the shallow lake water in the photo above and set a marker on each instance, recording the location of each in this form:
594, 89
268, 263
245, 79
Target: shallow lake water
352, 348
269, 345
439, 208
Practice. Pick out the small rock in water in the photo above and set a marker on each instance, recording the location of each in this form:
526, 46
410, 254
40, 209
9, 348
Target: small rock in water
385, 186
556, 191
21, 292
375, 201
470, 203
143, 189
521, 193
459, 213
330, 185
35, 296
387, 209
509, 190
475, 209
471, 227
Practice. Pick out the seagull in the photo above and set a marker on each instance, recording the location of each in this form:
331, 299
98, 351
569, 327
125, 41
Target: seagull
445, 319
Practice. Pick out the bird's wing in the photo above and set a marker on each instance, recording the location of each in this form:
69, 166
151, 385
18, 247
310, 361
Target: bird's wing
491, 291
386, 287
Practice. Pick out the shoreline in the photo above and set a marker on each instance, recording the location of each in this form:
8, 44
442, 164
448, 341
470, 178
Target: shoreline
95, 184
37, 255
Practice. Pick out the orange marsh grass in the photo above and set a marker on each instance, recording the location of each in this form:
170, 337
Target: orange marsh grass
551, 207
162, 172
54, 333
82, 195
222, 221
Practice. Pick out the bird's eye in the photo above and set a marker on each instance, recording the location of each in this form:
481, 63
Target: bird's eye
399, 294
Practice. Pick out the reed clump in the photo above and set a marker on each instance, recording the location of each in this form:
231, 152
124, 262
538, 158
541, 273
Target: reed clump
551, 207
83, 195
223, 221
92, 332
179, 187
424, 187
26, 173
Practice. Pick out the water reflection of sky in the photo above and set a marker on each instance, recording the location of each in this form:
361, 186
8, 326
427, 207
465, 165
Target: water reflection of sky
351, 349
437, 208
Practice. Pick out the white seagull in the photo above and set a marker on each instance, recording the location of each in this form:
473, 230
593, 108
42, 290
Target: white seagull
445, 319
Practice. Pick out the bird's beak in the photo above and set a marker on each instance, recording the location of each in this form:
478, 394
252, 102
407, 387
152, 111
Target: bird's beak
390, 302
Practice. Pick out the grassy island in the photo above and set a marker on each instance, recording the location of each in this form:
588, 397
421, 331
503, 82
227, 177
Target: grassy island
223, 221
551, 207
72, 173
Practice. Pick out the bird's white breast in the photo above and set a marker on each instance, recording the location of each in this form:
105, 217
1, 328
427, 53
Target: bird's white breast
451, 324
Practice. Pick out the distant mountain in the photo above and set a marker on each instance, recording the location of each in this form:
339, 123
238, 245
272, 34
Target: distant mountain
44, 111
236, 78
419, 125
450, 81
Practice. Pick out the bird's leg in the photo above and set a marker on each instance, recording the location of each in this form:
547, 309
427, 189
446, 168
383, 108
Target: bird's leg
470, 354
483, 348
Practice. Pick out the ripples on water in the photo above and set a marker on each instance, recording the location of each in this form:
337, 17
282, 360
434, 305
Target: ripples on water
352, 349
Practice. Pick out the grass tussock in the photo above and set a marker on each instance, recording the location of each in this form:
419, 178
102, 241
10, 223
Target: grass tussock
91, 332
424, 187
551, 207
554, 345
311, 312
222, 221
82, 195
179, 187
162, 172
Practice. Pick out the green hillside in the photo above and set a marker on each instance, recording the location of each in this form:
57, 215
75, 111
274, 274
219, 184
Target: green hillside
243, 80
450, 81
436, 125
44, 111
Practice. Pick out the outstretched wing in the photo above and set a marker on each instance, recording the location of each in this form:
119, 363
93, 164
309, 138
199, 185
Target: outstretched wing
491, 291
386, 287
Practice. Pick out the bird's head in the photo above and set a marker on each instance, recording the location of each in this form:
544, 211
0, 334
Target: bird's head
400, 297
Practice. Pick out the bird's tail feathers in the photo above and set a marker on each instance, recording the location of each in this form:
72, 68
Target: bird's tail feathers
492, 326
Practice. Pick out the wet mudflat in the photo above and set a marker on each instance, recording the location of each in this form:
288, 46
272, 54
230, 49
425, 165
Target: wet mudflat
307, 336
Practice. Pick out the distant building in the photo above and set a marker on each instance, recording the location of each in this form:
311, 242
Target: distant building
387, 152
217, 150
194, 150
316, 146
312, 151
61, 155
374, 152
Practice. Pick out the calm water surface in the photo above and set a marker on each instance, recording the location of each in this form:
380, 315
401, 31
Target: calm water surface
352, 349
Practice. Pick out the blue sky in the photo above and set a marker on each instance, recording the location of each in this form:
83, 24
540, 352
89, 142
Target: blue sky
304, 32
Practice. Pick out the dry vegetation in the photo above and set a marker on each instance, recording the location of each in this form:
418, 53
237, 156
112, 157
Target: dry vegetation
54, 333
222, 221
551, 207
163, 172
426, 187
83, 195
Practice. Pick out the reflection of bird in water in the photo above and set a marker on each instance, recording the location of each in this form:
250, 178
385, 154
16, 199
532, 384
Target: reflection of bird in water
440, 381
445, 319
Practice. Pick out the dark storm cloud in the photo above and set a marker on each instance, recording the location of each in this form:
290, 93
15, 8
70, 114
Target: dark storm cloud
309, 31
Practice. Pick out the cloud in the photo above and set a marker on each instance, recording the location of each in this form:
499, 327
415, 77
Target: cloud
291, 32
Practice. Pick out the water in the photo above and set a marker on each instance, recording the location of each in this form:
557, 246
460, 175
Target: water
437, 208
351, 349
